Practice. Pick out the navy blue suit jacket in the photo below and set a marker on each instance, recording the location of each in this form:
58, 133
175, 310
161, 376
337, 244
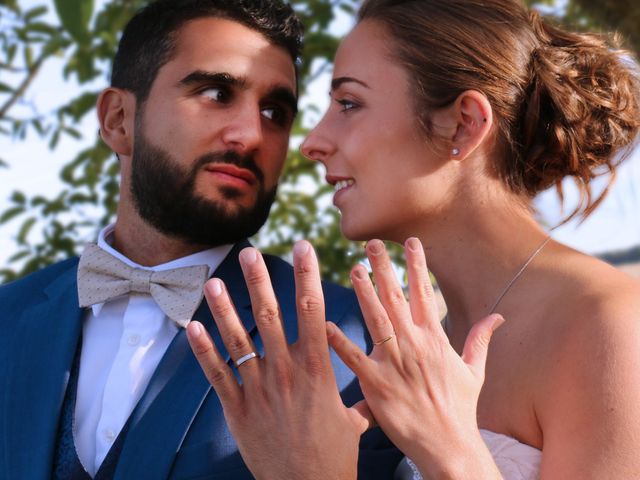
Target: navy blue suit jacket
177, 430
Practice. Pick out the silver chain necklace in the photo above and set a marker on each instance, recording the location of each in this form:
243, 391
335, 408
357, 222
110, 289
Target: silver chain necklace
510, 284
517, 275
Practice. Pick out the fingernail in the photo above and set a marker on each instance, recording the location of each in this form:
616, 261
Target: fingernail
300, 248
375, 246
359, 273
497, 323
413, 244
215, 287
248, 256
195, 329
331, 329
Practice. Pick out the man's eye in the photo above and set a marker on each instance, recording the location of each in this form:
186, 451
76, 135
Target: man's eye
275, 114
217, 94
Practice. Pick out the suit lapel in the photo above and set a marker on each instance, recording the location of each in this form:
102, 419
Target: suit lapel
45, 344
178, 388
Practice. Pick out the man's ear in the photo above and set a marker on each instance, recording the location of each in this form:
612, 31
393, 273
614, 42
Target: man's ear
474, 118
116, 114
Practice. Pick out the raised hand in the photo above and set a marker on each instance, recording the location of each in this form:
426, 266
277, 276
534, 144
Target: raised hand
421, 392
287, 415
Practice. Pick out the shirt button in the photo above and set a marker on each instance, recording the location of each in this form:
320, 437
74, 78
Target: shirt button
109, 435
133, 340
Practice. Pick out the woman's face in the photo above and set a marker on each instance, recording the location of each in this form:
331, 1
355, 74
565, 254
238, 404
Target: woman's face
386, 173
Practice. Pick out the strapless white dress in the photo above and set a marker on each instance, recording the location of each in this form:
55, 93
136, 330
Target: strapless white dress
515, 460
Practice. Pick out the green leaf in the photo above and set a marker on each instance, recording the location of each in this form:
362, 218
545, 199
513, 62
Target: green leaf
24, 230
35, 12
4, 88
12, 4
37, 124
28, 57
17, 256
11, 52
41, 27
55, 138
72, 132
19, 198
11, 213
75, 16
83, 64
80, 106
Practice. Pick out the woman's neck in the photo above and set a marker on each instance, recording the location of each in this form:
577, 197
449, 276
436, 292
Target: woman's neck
476, 253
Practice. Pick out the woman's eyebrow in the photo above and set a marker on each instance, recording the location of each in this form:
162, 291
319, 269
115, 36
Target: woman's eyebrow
337, 82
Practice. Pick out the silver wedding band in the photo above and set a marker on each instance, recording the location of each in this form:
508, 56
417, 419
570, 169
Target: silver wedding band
245, 358
384, 340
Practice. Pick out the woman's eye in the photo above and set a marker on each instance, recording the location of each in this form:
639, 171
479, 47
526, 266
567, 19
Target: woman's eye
347, 105
217, 94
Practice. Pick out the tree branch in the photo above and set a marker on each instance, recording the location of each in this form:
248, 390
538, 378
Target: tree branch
24, 85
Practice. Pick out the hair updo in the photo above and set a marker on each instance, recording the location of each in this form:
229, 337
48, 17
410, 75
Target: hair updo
564, 103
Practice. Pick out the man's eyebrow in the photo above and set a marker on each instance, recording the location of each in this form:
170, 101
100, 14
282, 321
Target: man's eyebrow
336, 82
200, 76
285, 96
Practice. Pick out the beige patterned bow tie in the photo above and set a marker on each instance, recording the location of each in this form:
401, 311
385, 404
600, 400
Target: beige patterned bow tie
177, 292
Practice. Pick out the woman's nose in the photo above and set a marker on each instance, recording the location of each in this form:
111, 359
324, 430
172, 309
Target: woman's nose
315, 147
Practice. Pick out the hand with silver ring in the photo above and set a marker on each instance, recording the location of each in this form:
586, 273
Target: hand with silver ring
246, 358
288, 402
420, 391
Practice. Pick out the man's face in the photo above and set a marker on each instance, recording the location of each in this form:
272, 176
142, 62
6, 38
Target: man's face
212, 137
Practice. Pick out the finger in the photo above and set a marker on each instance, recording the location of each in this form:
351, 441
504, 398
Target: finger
476, 346
263, 302
349, 352
213, 365
424, 310
389, 290
375, 316
232, 331
309, 300
362, 416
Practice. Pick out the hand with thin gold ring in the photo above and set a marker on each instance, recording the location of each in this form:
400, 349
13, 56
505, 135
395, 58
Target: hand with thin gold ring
420, 391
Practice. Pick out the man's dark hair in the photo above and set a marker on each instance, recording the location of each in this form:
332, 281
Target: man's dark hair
149, 39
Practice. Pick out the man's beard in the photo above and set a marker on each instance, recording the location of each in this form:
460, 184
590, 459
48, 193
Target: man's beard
163, 194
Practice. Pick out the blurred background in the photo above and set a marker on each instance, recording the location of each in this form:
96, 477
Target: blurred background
59, 182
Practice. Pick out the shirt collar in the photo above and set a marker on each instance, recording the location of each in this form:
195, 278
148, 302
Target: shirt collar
211, 257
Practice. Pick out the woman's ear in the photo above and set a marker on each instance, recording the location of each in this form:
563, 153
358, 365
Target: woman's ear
474, 118
116, 114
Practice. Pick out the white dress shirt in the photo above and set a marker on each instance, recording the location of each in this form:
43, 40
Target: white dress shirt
123, 341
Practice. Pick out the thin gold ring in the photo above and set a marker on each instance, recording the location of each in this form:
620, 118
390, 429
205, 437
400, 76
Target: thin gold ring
384, 340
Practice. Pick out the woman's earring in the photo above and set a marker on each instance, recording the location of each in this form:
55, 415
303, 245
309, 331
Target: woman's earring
455, 152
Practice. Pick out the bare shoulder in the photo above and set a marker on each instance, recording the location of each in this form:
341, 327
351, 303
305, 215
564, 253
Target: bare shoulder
583, 324
591, 295
590, 388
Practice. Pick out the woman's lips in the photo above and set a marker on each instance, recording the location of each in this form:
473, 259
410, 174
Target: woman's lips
342, 186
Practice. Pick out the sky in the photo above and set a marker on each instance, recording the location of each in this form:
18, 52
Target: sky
33, 168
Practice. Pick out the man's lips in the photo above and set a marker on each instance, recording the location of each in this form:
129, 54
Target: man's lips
232, 171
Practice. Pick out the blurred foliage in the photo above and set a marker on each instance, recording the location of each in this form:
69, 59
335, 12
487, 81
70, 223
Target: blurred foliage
51, 229
622, 16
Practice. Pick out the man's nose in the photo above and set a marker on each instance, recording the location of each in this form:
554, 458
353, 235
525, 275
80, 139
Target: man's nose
244, 132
